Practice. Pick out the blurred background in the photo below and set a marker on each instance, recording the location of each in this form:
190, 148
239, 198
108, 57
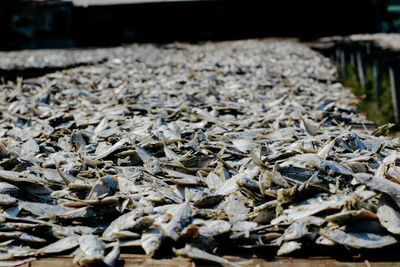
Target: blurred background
369, 64
31, 24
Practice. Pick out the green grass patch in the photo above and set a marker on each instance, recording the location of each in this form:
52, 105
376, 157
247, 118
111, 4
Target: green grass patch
379, 111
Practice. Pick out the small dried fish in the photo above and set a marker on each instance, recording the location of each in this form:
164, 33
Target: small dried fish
309, 208
43, 210
61, 245
388, 213
179, 216
132, 221
288, 247
91, 250
249, 143
351, 216
195, 253
358, 240
379, 184
151, 240
112, 257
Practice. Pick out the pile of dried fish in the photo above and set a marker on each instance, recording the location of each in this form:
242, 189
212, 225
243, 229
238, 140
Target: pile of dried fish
58, 58
190, 149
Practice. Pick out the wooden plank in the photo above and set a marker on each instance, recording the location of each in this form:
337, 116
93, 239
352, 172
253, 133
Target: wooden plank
54, 262
124, 260
140, 260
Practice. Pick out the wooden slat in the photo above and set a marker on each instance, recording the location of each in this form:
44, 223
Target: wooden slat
140, 260
54, 262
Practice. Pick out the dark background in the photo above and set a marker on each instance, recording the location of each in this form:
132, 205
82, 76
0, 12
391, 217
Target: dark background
55, 24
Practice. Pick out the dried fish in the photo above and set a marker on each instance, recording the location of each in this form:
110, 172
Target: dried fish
310, 207
214, 227
351, 216
7, 200
91, 250
195, 253
179, 216
43, 210
130, 221
379, 184
288, 247
249, 143
61, 245
358, 240
151, 240
112, 257
388, 214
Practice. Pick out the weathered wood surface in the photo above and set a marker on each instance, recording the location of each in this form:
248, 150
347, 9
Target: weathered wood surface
140, 260
380, 40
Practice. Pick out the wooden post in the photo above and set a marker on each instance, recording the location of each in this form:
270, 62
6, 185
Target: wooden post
377, 79
332, 56
337, 56
343, 63
352, 60
360, 68
394, 87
